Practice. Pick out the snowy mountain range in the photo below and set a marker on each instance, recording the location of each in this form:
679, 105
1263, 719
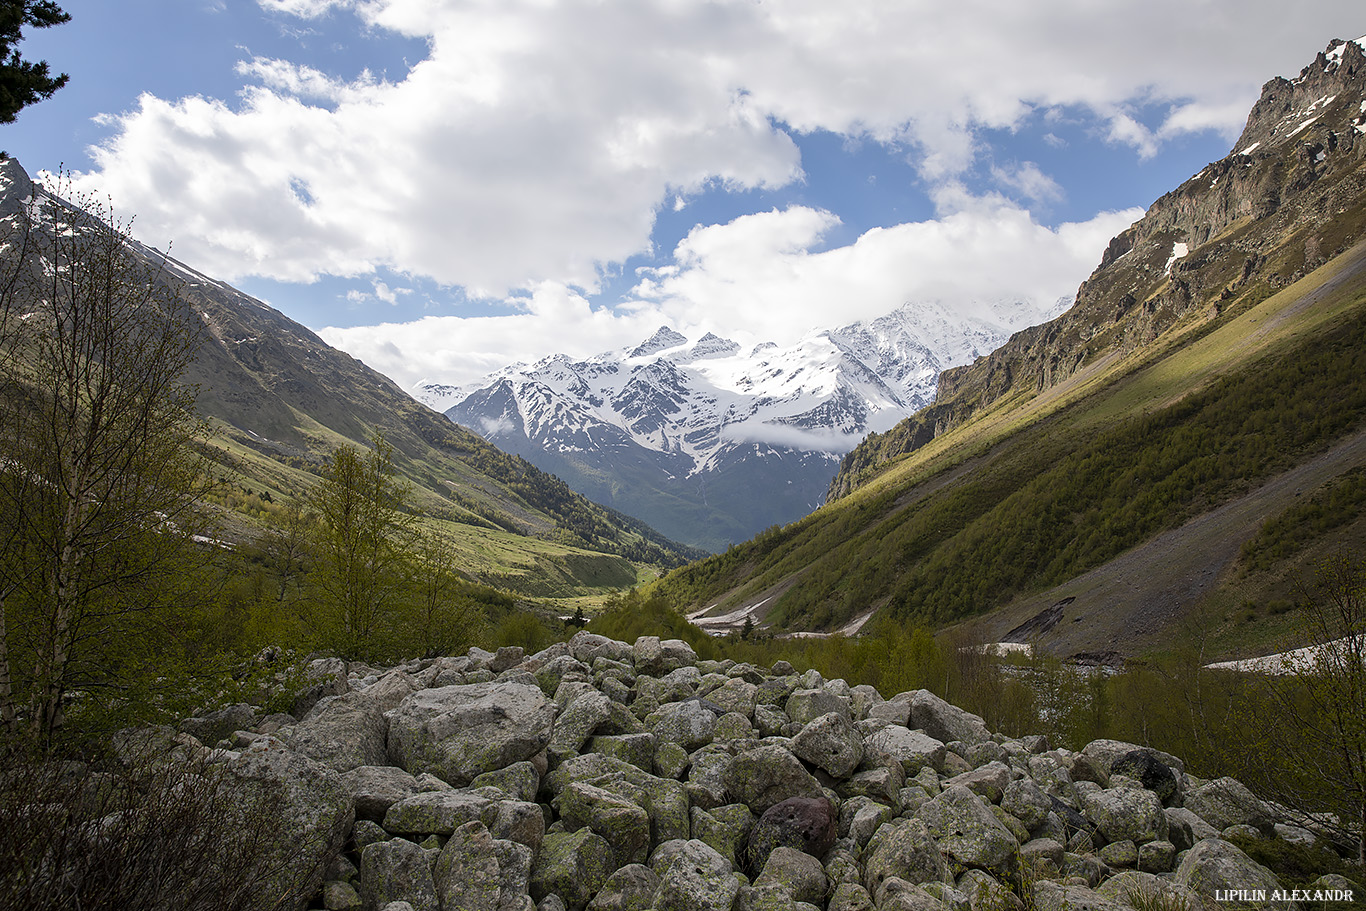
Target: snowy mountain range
710, 443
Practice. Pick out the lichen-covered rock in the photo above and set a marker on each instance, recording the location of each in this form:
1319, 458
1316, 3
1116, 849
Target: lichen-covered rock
966, 829
696, 878
687, 723
882, 783
900, 895
988, 781
766, 775
520, 781
797, 873
397, 870
1137, 889
629, 888
1126, 814
736, 695
438, 812
1144, 767
914, 750
860, 817
850, 897
572, 865
1215, 865
343, 732
804, 706
622, 823
375, 788
460, 732
1226, 802
831, 743
1122, 854
903, 850
311, 811
807, 824
1108, 752
1024, 800
725, 828
476, 872
1051, 896
576, 724
587, 647
943, 721
210, 727
441, 812
981, 890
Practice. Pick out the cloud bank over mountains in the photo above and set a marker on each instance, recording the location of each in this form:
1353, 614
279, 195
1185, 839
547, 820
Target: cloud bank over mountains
528, 155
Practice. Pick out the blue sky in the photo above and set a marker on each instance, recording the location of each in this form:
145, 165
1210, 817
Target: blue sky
444, 186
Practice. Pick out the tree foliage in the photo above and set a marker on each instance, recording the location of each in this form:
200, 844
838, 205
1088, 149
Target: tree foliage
1316, 710
100, 478
23, 82
359, 552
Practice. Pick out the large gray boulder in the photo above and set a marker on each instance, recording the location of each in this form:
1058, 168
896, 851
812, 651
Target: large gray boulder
804, 706
477, 872
914, 750
376, 788
442, 812
696, 878
943, 721
807, 824
629, 888
966, 829
572, 865
668, 799
903, 850
1226, 802
1126, 814
459, 732
797, 873
311, 812
211, 727
830, 742
397, 870
343, 732
623, 823
766, 775
576, 724
1107, 752
1215, 865
735, 695
689, 723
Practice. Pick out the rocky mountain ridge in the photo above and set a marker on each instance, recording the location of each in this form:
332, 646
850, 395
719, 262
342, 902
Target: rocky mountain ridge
709, 443
600, 775
1284, 201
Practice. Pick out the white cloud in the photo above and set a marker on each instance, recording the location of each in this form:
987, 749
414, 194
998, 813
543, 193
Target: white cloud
1027, 179
538, 138
763, 277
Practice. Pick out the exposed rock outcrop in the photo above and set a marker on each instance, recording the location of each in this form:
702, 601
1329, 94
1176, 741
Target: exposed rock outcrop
1289, 196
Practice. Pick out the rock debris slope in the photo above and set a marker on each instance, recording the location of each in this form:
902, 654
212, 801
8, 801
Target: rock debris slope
601, 775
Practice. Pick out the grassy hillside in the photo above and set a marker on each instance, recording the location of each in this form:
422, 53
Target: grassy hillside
1040, 489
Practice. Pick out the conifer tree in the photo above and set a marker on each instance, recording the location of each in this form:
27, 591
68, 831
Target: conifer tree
22, 82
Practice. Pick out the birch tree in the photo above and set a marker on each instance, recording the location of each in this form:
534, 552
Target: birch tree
99, 478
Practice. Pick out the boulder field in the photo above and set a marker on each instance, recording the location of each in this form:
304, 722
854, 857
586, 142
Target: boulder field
609, 776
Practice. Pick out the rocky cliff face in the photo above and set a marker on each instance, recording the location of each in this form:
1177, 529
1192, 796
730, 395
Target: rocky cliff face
601, 775
1289, 197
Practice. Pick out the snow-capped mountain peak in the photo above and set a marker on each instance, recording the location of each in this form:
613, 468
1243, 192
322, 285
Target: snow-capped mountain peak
678, 415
